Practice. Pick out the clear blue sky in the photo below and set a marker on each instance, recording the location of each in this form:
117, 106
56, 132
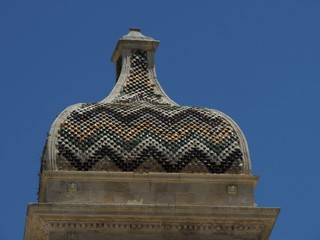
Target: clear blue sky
257, 61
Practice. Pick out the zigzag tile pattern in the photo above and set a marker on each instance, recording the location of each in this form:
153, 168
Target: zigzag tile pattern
148, 137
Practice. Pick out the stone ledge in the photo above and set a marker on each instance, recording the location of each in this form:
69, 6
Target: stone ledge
149, 177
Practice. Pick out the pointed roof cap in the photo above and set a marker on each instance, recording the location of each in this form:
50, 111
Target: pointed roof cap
135, 34
134, 40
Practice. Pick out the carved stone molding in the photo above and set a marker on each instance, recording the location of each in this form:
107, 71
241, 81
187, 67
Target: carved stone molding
158, 227
244, 222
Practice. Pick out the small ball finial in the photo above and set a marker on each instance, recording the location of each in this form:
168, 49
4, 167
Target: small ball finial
135, 29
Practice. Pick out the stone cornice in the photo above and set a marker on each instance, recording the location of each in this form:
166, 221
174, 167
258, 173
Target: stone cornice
255, 223
151, 177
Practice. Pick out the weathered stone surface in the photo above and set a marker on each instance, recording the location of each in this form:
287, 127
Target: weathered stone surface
153, 188
47, 221
121, 205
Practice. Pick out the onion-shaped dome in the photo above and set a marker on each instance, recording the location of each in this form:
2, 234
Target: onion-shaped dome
138, 128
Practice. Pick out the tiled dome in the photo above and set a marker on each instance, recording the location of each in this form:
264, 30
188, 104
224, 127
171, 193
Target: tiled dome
138, 128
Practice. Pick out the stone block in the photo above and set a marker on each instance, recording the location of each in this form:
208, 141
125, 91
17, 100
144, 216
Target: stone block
165, 198
135, 187
159, 187
164, 188
179, 187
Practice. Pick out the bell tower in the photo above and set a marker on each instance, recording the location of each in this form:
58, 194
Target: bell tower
136, 165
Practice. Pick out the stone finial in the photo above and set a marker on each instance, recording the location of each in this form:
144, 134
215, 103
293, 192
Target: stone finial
135, 29
134, 40
135, 34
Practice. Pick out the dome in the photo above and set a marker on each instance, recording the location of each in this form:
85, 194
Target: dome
138, 128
